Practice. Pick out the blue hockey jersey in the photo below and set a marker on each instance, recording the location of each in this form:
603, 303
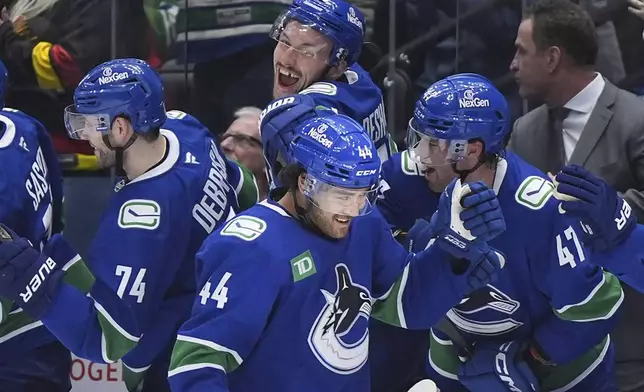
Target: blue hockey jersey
140, 271
282, 308
31, 203
357, 96
548, 291
626, 261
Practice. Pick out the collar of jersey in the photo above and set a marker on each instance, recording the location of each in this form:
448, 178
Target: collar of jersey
271, 203
499, 175
172, 156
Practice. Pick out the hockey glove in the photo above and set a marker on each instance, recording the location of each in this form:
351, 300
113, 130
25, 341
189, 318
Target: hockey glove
27, 276
466, 218
276, 126
418, 237
607, 219
498, 366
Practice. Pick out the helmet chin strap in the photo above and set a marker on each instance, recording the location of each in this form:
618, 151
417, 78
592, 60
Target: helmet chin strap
464, 173
120, 172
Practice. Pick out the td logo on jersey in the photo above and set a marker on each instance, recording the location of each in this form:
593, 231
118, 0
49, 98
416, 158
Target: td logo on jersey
339, 337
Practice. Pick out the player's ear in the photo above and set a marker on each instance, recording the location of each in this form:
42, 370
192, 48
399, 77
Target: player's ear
121, 129
475, 149
337, 71
300, 182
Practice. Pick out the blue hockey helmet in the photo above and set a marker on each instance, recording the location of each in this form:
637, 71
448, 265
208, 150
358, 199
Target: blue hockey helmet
277, 127
123, 87
340, 22
4, 81
341, 164
452, 112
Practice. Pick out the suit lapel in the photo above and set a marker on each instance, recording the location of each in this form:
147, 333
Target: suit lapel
596, 125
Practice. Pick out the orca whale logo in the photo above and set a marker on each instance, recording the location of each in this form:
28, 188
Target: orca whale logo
332, 338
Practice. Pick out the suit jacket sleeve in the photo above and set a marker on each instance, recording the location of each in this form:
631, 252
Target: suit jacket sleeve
635, 149
513, 143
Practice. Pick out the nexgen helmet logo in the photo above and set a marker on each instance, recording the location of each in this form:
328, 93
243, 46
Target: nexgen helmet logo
470, 100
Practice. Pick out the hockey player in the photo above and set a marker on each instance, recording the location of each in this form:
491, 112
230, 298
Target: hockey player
608, 225
31, 201
548, 316
138, 285
319, 43
289, 285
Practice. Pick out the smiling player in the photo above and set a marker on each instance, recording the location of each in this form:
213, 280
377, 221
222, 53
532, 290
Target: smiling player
319, 43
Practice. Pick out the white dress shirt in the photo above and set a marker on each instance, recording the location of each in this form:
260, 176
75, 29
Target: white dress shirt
581, 106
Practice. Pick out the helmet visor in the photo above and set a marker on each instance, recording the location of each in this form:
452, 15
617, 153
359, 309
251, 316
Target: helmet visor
82, 126
300, 38
339, 200
432, 151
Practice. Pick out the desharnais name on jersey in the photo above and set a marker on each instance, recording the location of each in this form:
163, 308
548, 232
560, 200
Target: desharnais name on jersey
357, 96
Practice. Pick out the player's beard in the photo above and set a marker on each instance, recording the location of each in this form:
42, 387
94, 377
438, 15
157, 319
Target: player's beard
326, 222
106, 159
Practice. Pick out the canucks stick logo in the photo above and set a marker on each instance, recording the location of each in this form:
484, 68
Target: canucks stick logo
339, 337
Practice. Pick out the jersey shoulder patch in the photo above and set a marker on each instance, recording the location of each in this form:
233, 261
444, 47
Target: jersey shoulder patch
534, 192
139, 214
323, 88
409, 166
245, 227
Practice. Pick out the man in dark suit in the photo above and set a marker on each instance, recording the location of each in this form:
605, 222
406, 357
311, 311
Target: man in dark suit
584, 120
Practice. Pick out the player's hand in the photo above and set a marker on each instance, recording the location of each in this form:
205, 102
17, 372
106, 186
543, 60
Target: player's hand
469, 211
27, 276
417, 238
498, 366
607, 219
466, 214
466, 218
636, 8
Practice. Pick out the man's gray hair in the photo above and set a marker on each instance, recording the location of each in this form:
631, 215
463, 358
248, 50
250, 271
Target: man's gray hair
248, 111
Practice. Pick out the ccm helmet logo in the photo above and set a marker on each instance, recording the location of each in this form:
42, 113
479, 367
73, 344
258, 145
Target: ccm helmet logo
362, 173
275, 105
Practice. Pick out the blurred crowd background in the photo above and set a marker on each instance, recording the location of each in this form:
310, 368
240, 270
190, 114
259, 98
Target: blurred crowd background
216, 60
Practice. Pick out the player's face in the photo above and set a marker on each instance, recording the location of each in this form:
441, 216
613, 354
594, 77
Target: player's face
439, 177
299, 59
333, 208
117, 137
529, 64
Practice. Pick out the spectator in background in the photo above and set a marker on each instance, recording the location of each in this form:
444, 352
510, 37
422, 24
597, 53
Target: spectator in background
241, 142
584, 120
636, 8
48, 45
233, 55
